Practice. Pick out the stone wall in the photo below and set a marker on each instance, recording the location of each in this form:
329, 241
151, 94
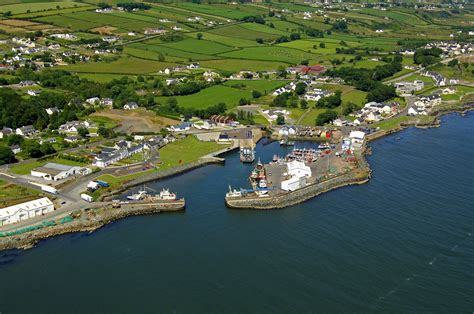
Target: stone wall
291, 198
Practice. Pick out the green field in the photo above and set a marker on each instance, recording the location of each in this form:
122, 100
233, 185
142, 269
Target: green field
282, 54
19, 8
224, 93
122, 65
11, 194
202, 46
236, 65
227, 11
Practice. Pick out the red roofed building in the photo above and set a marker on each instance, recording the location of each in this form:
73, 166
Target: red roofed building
221, 119
313, 69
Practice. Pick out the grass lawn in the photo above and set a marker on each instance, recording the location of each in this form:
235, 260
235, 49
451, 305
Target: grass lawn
185, 151
26, 167
174, 154
106, 121
390, 123
461, 91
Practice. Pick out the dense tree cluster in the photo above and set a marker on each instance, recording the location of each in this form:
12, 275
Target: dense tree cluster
326, 117
172, 109
330, 102
129, 6
426, 57
253, 19
369, 80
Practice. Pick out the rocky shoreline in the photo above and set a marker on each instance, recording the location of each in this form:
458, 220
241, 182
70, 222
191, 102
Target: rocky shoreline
89, 220
298, 196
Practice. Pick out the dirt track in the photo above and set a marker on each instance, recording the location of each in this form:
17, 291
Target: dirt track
136, 121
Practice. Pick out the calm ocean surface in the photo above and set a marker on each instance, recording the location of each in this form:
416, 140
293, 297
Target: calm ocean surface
402, 242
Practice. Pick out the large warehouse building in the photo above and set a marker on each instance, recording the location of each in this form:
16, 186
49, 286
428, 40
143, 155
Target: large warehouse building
23, 211
54, 172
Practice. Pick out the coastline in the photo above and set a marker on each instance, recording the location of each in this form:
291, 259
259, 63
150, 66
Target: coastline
105, 215
88, 220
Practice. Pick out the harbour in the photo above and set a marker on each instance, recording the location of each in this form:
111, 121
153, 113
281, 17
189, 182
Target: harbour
337, 239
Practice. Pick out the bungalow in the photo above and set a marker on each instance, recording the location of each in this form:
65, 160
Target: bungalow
185, 126
93, 100
34, 93
72, 139
52, 110
5, 132
107, 102
16, 149
50, 140
74, 126
27, 130
130, 106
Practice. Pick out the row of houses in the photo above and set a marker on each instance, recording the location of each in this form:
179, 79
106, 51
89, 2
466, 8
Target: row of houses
439, 79
125, 149
314, 94
375, 112
74, 126
424, 104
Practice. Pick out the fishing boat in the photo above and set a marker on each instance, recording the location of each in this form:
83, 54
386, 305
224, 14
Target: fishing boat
233, 193
138, 196
166, 195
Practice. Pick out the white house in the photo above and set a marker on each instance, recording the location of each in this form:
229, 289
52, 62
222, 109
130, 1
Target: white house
92, 100
412, 111
54, 172
130, 106
287, 130
357, 138
26, 130
52, 110
5, 132
23, 211
107, 102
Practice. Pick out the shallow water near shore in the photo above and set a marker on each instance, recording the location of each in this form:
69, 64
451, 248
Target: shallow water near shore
402, 242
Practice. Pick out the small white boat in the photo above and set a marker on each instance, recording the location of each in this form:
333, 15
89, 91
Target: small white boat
262, 183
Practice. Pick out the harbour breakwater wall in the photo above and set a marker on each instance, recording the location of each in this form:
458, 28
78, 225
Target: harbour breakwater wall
160, 175
89, 220
282, 200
